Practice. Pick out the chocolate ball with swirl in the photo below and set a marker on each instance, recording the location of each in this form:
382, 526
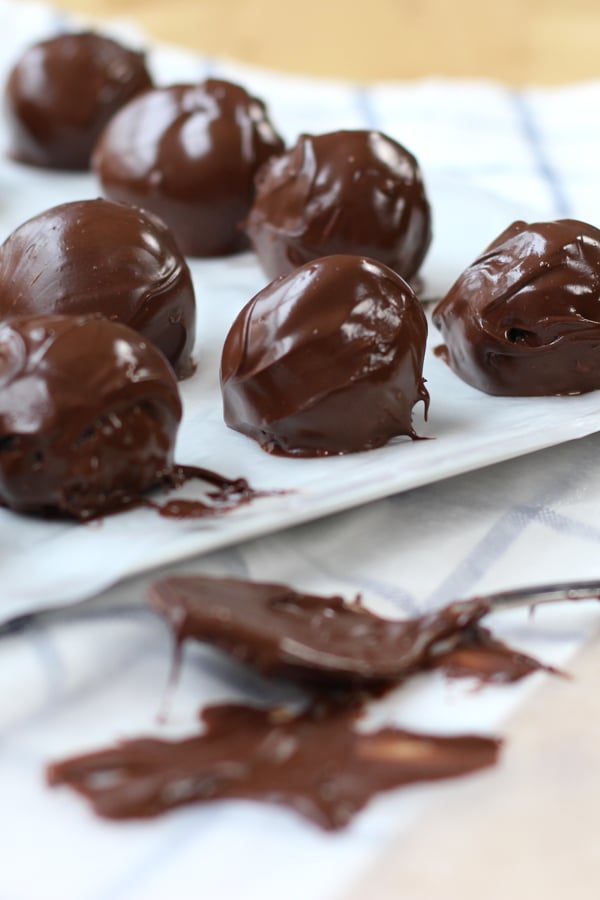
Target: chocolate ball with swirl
326, 360
96, 256
189, 153
63, 91
524, 318
345, 192
89, 411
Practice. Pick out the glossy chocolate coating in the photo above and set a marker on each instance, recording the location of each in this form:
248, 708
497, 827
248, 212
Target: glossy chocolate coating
302, 637
189, 153
326, 360
316, 763
89, 411
345, 192
524, 318
96, 256
63, 91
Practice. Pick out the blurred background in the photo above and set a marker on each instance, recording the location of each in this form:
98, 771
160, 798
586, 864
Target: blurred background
516, 41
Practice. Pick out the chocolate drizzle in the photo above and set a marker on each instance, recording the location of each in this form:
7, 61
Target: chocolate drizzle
316, 763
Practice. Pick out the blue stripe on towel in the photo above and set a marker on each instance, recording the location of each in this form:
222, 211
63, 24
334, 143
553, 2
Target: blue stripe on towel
534, 138
366, 108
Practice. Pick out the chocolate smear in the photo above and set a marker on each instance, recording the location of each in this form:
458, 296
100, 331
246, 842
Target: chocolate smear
316, 763
226, 494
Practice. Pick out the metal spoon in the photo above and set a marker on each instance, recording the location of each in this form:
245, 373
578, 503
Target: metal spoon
544, 593
130, 598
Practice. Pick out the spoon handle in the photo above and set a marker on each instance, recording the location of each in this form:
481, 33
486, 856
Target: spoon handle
544, 593
103, 604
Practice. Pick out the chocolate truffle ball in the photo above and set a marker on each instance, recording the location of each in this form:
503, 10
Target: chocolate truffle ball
88, 415
524, 318
63, 91
326, 360
346, 192
95, 256
190, 153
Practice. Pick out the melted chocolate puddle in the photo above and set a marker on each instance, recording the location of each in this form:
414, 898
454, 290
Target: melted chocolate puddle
316, 763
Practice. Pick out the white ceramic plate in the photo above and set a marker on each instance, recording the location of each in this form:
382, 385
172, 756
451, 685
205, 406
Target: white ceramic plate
44, 563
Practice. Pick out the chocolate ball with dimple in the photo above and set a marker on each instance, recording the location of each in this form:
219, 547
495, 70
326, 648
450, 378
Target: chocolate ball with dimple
190, 153
96, 256
524, 318
63, 91
326, 360
354, 192
89, 412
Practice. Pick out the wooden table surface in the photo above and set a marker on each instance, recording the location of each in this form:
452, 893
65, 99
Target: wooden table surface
520, 41
530, 833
